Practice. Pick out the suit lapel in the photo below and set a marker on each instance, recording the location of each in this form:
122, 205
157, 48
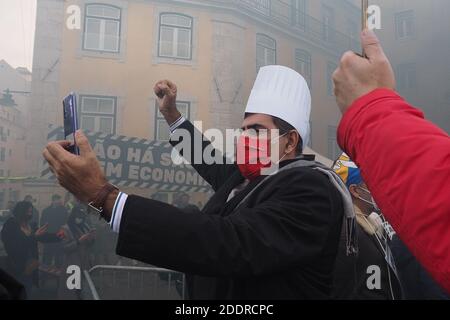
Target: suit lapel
231, 205
219, 198
218, 203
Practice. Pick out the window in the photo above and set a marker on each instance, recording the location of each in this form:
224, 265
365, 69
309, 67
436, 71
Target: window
298, 13
303, 64
266, 51
102, 28
262, 6
406, 76
175, 36
328, 23
331, 67
334, 151
2, 154
14, 195
404, 24
98, 114
162, 132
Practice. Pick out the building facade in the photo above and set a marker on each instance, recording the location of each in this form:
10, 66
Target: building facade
210, 49
14, 117
415, 37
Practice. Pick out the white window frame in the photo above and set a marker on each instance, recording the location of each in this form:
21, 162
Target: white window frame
98, 115
299, 16
262, 6
328, 22
103, 20
176, 29
262, 46
185, 109
303, 61
401, 19
406, 76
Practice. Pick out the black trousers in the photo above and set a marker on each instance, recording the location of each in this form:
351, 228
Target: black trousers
53, 254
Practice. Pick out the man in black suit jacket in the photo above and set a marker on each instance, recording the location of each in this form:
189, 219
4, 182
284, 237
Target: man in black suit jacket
259, 237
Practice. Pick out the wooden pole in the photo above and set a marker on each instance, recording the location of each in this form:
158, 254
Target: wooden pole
364, 18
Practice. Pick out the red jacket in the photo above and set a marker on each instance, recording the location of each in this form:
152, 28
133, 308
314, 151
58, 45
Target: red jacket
405, 161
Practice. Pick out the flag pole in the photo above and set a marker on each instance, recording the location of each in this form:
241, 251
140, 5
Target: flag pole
364, 18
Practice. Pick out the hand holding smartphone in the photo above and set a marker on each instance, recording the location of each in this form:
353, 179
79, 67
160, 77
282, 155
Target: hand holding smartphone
70, 121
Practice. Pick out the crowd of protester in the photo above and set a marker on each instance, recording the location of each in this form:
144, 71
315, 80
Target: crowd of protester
39, 246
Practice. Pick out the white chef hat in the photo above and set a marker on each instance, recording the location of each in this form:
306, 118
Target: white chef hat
283, 93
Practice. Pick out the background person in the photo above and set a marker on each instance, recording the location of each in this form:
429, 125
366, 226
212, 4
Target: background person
34, 222
79, 239
20, 242
352, 273
55, 216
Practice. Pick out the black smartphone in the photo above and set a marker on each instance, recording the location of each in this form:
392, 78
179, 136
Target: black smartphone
71, 121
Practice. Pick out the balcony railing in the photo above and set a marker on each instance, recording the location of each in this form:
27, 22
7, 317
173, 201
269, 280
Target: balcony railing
293, 20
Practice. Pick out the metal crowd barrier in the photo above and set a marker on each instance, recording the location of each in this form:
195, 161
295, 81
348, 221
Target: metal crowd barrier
108, 282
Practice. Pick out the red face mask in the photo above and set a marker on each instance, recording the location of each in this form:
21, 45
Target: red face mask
256, 156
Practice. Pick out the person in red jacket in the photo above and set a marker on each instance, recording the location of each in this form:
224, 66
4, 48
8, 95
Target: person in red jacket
404, 159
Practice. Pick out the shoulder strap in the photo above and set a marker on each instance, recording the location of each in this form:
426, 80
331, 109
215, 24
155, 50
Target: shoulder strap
336, 181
